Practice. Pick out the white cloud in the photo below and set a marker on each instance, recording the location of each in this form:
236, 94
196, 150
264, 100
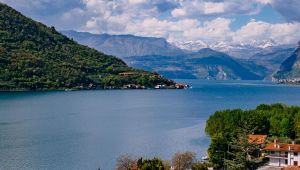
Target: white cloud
215, 30
208, 20
285, 33
137, 1
114, 16
203, 8
126, 16
162, 28
213, 8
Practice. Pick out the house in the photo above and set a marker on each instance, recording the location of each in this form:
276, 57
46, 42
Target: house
282, 154
291, 168
181, 86
258, 139
127, 73
133, 86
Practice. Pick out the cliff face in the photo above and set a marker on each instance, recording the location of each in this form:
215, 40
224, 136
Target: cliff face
290, 68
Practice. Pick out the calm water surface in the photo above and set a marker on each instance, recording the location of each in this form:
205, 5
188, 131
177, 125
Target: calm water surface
90, 129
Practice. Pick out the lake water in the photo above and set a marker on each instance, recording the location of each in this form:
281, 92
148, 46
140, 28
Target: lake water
90, 129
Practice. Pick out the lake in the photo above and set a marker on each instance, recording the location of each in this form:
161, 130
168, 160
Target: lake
90, 129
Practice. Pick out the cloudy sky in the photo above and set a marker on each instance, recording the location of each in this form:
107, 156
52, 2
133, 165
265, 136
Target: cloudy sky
232, 21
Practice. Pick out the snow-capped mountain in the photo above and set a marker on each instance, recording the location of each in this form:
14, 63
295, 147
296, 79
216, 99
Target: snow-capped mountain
191, 45
238, 50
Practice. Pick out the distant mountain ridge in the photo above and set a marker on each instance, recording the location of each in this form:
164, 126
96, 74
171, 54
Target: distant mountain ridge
290, 68
241, 50
125, 45
204, 64
261, 58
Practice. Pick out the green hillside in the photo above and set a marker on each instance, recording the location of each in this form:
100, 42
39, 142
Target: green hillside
36, 57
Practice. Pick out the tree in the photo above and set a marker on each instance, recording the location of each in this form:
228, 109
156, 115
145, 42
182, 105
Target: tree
151, 164
217, 150
297, 124
125, 162
242, 155
286, 127
183, 160
200, 166
167, 165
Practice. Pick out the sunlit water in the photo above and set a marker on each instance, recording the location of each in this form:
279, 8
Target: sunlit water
90, 129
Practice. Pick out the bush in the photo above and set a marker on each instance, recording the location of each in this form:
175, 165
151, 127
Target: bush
200, 166
183, 160
125, 162
151, 164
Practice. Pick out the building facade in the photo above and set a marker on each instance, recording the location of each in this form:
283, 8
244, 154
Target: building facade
283, 155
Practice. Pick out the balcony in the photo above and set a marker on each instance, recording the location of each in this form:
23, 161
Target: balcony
278, 156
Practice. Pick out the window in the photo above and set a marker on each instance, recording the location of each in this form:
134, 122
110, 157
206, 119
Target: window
286, 162
286, 154
295, 163
295, 153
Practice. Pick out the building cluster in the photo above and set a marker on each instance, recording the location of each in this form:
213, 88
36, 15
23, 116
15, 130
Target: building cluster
134, 86
176, 86
289, 81
160, 86
283, 155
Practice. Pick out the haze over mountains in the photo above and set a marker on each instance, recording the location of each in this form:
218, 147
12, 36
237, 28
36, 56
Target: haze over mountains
256, 61
125, 45
204, 64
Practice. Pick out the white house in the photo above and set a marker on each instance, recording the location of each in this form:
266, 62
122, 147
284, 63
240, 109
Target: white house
282, 155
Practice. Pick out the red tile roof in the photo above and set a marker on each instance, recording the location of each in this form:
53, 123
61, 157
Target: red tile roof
291, 168
259, 139
282, 147
135, 167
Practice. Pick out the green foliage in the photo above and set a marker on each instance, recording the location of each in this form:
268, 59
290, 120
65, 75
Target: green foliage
276, 119
226, 128
200, 166
151, 164
217, 150
242, 154
35, 57
297, 124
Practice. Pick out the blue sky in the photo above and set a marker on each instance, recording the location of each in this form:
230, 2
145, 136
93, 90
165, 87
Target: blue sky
230, 21
267, 14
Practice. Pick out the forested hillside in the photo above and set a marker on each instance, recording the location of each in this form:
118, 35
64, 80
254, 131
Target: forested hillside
35, 57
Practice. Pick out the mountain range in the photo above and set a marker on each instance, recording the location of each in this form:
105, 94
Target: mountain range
258, 60
36, 57
203, 64
238, 50
125, 45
